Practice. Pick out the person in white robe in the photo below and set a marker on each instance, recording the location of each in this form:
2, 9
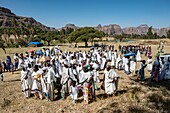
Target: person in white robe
74, 92
25, 83
88, 86
149, 65
71, 75
165, 72
112, 60
79, 68
133, 65
111, 80
36, 87
64, 80
75, 72
110, 55
20, 63
47, 52
138, 56
50, 82
44, 83
127, 68
103, 63
115, 54
58, 68
96, 71
119, 65
30, 79
123, 62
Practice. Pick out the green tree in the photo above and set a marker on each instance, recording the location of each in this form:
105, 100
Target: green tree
68, 30
48, 36
168, 33
155, 36
118, 37
2, 43
149, 33
85, 34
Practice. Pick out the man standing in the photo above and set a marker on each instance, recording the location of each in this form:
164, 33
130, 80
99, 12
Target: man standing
111, 80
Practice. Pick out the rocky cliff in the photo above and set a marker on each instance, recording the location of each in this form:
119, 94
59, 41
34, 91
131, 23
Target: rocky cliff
9, 19
143, 29
113, 29
110, 29
72, 26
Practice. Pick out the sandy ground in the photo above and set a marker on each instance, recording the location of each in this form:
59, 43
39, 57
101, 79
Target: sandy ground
133, 96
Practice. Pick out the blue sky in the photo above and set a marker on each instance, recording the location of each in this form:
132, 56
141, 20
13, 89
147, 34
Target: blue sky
57, 13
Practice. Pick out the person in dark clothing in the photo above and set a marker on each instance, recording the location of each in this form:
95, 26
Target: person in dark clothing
4, 66
1, 75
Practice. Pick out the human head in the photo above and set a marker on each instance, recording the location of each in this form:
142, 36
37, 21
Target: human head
73, 83
23, 68
143, 61
36, 68
29, 66
108, 67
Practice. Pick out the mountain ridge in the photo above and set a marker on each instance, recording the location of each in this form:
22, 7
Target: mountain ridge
8, 18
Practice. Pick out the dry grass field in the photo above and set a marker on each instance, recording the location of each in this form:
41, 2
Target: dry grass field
133, 96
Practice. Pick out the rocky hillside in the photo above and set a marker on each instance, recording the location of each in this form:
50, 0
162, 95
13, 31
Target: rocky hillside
72, 26
113, 29
142, 29
110, 29
9, 19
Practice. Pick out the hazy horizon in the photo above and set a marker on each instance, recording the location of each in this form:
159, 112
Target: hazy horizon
126, 13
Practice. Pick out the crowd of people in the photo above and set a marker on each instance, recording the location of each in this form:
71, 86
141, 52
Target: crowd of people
67, 73
52, 70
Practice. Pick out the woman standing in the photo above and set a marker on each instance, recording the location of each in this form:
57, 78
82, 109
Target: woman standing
156, 69
149, 66
133, 65
88, 86
24, 82
111, 80
36, 87
8, 63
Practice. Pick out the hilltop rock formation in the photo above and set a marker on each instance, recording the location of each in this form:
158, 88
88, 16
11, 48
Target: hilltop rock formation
110, 29
9, 19
113, 29
143, 29
69, 26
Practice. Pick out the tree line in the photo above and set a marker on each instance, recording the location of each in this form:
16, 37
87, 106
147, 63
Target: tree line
26, 33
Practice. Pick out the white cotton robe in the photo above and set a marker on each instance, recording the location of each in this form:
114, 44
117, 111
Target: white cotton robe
36, 87
25, 83
132, 65
138, 57
110, 77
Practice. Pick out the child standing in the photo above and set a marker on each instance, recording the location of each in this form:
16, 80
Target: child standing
141, 70
74, 91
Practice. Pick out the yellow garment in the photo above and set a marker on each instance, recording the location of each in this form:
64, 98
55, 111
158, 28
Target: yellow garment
38, 75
